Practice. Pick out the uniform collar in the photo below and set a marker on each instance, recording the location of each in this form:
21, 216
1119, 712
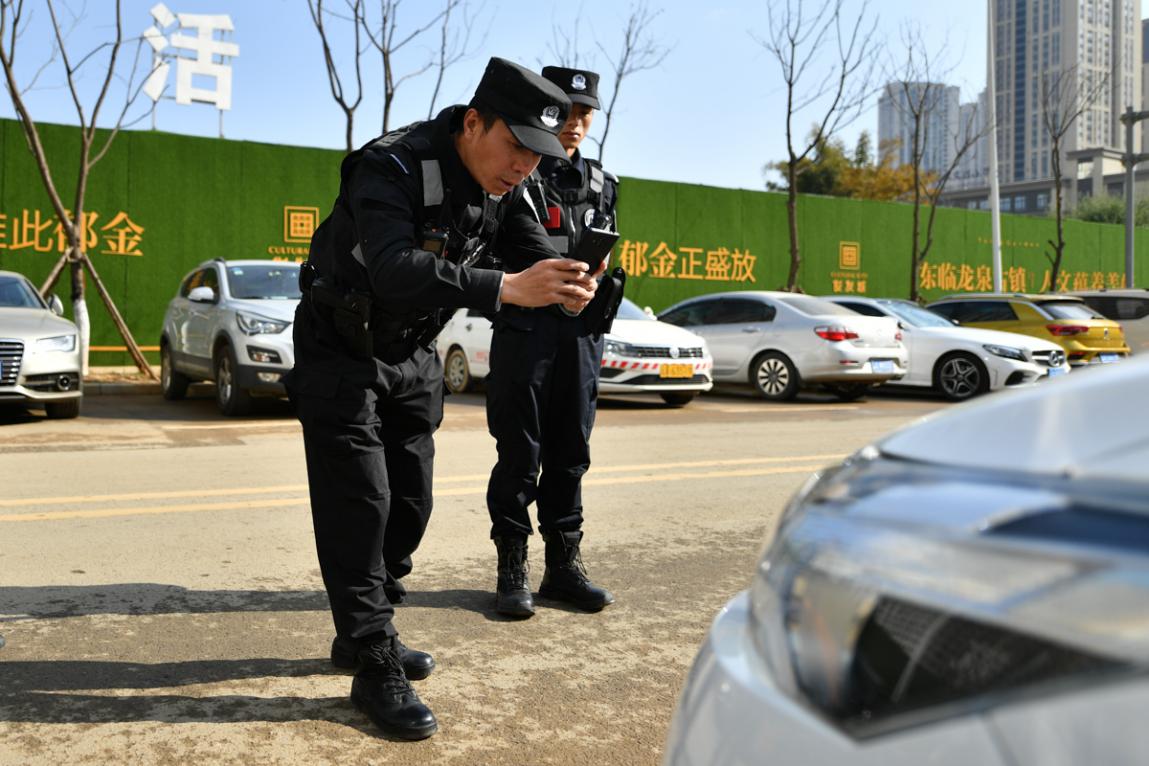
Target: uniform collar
554, 166
456, 177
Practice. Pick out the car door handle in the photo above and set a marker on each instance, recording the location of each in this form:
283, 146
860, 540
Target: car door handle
750, 329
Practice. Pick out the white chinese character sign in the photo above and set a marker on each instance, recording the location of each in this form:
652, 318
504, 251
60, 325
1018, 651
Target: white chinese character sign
203, 74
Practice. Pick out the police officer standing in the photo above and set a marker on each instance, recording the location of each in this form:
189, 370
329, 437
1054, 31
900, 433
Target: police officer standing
418, 213
543, 383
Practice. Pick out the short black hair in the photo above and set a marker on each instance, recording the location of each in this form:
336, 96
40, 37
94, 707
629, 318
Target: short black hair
486, 114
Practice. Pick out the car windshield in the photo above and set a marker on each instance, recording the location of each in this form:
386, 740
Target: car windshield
629, 310
1069, 310
814, 306
15, 293
915, 315
264, 281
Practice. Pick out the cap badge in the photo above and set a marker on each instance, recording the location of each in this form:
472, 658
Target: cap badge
550, 116
578, 82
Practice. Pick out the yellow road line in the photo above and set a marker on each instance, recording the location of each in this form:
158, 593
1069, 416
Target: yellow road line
288, 488
457, 492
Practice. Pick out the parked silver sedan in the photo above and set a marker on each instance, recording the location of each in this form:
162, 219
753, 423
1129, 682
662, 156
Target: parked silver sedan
39, 350
780, 342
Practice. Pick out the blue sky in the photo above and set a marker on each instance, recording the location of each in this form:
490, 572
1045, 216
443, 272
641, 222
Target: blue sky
712, 113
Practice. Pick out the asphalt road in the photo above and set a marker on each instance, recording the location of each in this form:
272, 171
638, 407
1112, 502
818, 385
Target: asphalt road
161, 600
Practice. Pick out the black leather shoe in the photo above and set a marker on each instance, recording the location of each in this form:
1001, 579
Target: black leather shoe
416, 664
381, 690
513, 590
565, 578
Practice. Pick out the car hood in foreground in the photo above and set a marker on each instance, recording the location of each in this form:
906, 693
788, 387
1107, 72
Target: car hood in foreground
1091, 424
29, 324
645, 332
272, 308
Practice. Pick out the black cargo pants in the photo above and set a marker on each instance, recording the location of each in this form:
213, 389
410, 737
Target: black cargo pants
541, 397
370, 452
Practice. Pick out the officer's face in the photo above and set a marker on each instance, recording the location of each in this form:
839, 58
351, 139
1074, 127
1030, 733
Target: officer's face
576, 127
494, 157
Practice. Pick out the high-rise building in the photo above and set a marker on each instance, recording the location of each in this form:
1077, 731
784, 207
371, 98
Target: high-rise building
972, 169
940, 123
1039, 43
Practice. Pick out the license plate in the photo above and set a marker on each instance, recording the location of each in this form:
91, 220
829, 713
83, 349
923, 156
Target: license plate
676, 371
1053, 371
881, 365
1107, 358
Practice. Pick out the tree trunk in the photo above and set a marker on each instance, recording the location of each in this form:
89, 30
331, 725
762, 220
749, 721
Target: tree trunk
915, 260
1059, 247
792, 220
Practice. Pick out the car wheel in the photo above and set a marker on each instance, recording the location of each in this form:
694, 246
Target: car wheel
848, 392
774, 377
70, 408
173, 385
229, 397
961, 376
456, 371
678, 398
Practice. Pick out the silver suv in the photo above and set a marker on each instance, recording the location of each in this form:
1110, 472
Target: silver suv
231, 323
39, 350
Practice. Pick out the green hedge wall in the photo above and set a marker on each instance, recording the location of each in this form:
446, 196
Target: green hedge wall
159, 204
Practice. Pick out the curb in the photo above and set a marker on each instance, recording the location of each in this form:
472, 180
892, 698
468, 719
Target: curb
121, 388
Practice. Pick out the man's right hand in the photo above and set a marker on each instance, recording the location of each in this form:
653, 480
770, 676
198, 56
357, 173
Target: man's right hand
556, 280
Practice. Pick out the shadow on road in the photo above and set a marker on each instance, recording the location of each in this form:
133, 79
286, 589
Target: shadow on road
48, 601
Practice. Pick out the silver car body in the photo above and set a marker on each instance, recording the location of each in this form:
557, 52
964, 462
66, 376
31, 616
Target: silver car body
39, 350
937, 348
876, 355
971, 589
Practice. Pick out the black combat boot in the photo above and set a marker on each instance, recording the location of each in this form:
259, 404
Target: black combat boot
513, 591
417, 665
565, 577
381, 690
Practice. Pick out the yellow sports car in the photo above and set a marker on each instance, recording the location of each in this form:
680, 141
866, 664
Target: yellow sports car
1086, 336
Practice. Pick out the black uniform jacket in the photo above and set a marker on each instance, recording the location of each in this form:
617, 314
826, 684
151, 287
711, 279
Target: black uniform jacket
381, 212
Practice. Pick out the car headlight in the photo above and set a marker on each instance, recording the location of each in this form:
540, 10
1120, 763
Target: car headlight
57, 343
253, 324
618, 348
875, 604
1009, 352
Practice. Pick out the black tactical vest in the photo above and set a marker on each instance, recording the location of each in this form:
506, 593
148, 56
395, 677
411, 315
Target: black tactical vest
569, 202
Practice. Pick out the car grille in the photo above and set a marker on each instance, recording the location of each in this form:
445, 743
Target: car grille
1049, 358
663, 352
11, 353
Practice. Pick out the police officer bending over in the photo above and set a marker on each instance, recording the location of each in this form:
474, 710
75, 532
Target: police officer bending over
408, 239
543, 383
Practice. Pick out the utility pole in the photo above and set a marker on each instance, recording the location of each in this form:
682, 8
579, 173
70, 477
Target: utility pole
1130, 161
991, 108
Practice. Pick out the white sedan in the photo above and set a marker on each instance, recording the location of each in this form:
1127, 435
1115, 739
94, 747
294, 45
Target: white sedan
962, 362
640, 355
973, 589
779, 342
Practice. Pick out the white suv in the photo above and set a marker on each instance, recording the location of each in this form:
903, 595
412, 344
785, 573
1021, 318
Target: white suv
231, 323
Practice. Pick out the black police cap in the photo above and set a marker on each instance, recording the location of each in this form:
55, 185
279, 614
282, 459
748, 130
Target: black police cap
533, 107
580, 85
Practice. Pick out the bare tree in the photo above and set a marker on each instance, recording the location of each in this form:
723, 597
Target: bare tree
1065, 96
455, 45
798, 42
73, 221
334, 80
638, 52
564, 47
916, 93
383, 37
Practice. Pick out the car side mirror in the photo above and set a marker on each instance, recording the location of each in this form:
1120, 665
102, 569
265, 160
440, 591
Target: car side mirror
202, 295
56, 305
